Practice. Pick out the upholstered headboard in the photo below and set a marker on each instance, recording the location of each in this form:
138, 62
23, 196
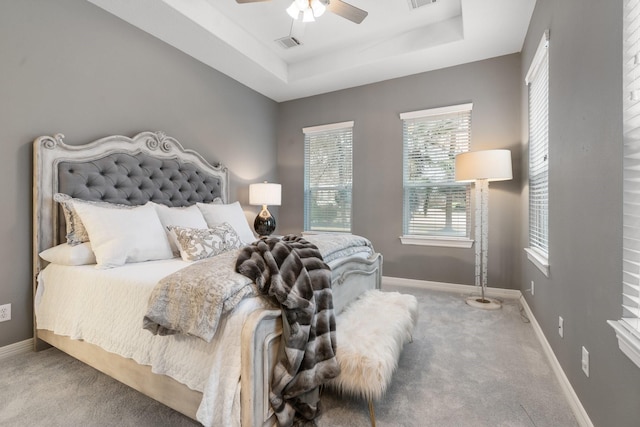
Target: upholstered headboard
148, 167
137, 179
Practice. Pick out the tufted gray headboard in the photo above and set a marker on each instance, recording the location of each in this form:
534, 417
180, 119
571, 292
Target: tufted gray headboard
136, 179
148, 167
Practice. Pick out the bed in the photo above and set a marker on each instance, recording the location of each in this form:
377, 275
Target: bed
153, 167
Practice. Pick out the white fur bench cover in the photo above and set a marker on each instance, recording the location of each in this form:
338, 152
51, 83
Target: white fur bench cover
370, 335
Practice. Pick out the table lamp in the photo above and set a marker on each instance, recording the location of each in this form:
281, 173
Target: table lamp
265, 193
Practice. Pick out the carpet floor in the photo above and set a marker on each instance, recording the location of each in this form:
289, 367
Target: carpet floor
465, 368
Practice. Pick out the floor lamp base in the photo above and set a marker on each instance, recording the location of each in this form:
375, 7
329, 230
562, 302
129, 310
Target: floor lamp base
484, 303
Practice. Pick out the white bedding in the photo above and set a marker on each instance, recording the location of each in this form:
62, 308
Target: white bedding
335, 246
106, 307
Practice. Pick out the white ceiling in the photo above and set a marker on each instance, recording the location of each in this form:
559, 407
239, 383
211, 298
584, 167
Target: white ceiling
393, 40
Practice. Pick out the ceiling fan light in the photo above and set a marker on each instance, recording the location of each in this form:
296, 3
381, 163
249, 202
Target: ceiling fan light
302, 4
293, 10
308, 16
318, 8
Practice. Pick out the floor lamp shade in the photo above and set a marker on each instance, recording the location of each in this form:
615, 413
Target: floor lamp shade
265, 193
481, 167
492, 165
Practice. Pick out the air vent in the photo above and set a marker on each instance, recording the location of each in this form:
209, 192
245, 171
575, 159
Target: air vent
288, 42
414, 4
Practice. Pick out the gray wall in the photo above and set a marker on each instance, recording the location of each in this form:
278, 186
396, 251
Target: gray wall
585, 229
67, 66
494, 87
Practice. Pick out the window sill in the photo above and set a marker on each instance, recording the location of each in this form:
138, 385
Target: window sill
539, 260
447, 242
628, 342
314, 232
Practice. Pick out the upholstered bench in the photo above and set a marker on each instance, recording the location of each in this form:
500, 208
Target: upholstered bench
371, 333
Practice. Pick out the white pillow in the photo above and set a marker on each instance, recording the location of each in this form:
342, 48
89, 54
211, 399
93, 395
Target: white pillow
76, 232
196, 243
119, 236
66, 254
189, 216
216, 214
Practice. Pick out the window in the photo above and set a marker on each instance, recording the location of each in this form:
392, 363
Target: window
328, 177
537, 80
628, 328
436, 208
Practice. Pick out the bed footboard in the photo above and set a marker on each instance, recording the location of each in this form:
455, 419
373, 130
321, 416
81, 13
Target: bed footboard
351, 277
261, 336
260, 340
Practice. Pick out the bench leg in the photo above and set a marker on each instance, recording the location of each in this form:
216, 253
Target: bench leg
372, 413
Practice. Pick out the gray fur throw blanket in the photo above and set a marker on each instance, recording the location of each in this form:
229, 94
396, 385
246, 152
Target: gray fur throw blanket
292, 271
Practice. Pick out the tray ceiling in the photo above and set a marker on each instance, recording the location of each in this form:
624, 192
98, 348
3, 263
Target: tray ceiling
394, 40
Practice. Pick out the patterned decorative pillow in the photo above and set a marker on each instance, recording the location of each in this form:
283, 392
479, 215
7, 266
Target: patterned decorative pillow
76, 231
198, 243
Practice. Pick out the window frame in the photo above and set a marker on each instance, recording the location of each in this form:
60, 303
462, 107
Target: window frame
323, 130
436, 239
627, 328
538, 250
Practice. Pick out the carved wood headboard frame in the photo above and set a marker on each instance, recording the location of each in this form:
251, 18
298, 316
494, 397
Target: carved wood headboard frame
50, 151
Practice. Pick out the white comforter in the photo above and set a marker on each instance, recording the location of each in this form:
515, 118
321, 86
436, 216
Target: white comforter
106, 308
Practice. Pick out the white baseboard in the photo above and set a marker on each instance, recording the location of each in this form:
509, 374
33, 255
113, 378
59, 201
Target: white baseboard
16, 348
578, 410
572, 398
450, 287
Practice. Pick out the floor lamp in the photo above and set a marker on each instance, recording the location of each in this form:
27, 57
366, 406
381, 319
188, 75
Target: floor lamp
481, 167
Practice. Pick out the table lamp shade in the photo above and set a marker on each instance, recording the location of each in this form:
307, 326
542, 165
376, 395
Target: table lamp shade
265, 193
492, 165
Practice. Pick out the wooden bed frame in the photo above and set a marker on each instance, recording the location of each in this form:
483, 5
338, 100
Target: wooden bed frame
260, 334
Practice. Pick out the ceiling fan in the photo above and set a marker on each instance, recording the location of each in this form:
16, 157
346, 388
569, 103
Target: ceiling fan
338, 7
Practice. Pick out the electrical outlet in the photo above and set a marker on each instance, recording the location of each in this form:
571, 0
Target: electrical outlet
561, 326
5, 312
585, 361
533, 286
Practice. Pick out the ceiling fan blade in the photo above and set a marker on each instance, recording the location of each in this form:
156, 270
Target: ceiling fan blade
347, 11
250, 1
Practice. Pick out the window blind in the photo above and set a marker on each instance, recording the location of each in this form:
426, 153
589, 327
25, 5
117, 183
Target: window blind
434, 204
538, 84
631, 168
328, 182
